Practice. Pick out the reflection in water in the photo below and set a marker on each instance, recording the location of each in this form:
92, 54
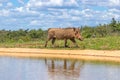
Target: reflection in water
40, 69
22, 69
64, 70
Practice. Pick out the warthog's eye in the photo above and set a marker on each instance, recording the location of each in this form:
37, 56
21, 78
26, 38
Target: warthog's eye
76, 32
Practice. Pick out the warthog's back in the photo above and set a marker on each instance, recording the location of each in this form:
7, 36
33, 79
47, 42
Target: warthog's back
60, 33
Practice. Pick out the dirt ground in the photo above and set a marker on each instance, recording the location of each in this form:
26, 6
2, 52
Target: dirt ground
100, 55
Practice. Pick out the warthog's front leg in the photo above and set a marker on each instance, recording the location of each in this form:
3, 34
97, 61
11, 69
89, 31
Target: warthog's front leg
53, 41
65, 43
73, 40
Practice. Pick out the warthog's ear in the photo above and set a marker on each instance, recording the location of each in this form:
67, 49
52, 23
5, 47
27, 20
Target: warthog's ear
73, 29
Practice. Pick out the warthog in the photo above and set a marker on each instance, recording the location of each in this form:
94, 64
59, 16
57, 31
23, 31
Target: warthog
63, 34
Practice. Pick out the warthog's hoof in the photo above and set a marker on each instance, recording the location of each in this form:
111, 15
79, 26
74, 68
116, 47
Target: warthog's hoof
66, 46
77, 46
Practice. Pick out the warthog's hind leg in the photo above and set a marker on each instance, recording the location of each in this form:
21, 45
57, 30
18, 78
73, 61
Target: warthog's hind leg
47, 41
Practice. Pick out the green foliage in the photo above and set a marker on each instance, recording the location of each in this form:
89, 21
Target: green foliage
21, 35
103, 36
88, 32
115, 25
102, 30
112, 29
106, 43
3, 35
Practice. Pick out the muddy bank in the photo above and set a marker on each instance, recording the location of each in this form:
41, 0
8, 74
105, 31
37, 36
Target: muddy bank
100, 55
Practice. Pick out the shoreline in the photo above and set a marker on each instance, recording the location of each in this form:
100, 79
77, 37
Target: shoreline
87, 55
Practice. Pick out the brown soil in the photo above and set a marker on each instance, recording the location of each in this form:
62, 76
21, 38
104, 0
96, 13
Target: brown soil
100, 55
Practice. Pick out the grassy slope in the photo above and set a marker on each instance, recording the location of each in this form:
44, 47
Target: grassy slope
110, 43
107, 43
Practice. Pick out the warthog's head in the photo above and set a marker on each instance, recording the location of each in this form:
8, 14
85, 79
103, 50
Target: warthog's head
78, 34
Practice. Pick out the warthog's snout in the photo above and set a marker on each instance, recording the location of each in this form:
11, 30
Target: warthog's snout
81, 39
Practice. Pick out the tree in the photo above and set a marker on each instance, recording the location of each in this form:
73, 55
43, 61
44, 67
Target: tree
88, 32
113, 24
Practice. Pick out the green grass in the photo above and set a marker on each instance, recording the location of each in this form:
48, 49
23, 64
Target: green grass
106, 43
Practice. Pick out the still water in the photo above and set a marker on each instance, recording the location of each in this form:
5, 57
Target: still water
41, 69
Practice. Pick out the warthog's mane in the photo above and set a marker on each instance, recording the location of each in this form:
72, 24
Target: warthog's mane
69, 28
63, 28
